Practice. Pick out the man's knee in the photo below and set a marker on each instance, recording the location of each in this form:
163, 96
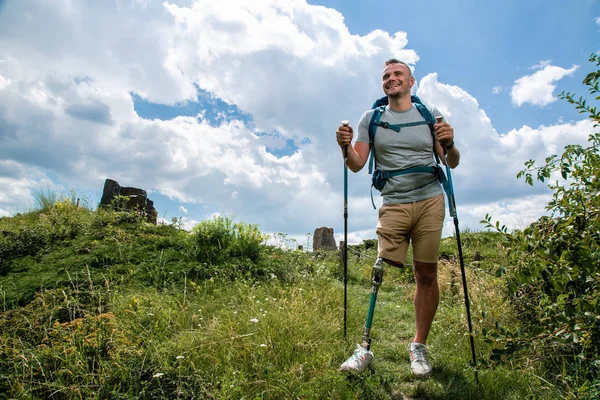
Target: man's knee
425, 274
426, 281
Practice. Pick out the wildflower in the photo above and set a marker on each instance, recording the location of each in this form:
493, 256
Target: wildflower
263, 345
254, 320
158, 375
180, 357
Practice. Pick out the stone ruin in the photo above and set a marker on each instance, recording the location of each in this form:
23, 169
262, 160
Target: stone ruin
323, 239
137, 199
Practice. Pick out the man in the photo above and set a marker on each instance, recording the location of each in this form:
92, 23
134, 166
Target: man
413, 203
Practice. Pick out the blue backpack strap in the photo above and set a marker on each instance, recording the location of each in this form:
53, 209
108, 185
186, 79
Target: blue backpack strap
413, 170
447, 185
397, 127
375, 121
379, 107
372, 201
429, 117
385, 175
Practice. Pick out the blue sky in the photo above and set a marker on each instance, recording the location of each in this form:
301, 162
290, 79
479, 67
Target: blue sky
231, 108
479, 45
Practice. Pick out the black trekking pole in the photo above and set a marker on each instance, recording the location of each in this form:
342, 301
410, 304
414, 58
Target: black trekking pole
345, 255
460, 255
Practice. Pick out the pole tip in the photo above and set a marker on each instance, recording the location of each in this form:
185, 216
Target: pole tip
439, 119
345, 122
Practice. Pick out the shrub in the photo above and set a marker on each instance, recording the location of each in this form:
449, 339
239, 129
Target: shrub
221, 241
553, 278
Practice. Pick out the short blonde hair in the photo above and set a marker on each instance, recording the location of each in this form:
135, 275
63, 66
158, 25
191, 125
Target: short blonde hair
396, 61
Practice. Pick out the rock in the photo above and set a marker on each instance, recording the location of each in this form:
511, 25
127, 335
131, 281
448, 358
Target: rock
111, 190
137, 200
323, 239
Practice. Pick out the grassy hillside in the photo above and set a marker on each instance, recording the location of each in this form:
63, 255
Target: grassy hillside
102, 305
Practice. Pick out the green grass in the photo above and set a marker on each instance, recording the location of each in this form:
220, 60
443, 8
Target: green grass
238, 339
106, 306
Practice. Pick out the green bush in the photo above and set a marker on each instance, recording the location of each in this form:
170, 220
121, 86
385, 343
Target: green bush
20, 240
553, 276
58, 219
220, 239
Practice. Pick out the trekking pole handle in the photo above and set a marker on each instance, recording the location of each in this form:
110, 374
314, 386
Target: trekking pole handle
439, 120
346, 123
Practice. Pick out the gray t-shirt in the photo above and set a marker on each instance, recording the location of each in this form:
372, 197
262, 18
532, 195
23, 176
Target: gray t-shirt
411, 147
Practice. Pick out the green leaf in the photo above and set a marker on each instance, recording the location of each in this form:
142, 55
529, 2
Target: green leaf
590, 78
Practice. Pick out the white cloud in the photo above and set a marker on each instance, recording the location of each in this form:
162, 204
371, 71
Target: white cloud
275, 60
67, 110
185, 223
265, 56
542, 64
485, 181
515, 213
497, 89
4, 82
183, 209
188, 224
19, 184
537, 89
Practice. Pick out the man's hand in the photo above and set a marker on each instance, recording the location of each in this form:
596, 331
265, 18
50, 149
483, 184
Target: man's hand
344, 135
444, 133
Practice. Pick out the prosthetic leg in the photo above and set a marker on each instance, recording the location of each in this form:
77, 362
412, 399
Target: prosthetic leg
363, 356
376, 279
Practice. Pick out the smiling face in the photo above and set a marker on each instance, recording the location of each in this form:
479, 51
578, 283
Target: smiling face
397, 80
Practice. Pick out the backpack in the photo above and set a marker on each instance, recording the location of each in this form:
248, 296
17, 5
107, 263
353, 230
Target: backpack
380, 177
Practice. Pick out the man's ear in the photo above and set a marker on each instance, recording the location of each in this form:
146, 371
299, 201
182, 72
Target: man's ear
412, 81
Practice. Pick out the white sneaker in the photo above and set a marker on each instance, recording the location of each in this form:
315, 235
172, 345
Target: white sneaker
419, 364
358, 361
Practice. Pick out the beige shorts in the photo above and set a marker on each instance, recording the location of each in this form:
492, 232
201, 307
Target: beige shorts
421, 222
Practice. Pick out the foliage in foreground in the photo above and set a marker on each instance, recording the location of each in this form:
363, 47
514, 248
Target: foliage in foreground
553, 276
273, 337
103, 305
